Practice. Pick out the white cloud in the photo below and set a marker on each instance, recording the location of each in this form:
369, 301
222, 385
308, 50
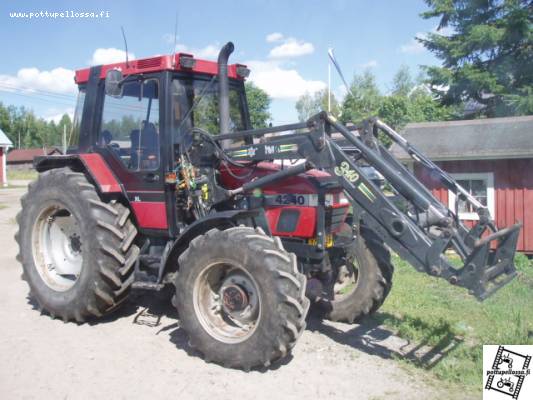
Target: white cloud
209, 51
280, 82
55, 114
369, 64
169, 38
109, 56
57, 80
413, 46
340, 92
445, 31
274, 37
291, 47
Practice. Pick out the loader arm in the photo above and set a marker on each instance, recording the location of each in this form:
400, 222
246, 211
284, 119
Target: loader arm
419, 233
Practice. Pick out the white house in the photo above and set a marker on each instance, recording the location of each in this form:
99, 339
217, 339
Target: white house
5, 144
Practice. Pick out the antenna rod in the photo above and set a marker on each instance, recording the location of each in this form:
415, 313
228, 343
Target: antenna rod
175, 39
125, 45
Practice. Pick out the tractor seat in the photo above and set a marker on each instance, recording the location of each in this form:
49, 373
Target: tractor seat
144, 147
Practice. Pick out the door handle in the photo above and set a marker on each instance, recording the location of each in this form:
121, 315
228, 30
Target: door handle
151, 177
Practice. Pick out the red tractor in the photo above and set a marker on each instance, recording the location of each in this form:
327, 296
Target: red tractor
168, 184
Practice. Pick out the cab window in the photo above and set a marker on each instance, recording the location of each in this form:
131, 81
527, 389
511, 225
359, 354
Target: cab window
188, 91
130, 125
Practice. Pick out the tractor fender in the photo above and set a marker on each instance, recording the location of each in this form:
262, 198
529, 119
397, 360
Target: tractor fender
222, 220
92, 164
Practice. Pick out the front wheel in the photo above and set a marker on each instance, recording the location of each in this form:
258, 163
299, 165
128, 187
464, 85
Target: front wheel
364, 279
240, 297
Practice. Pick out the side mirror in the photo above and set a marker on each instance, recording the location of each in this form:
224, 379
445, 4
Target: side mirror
113, 83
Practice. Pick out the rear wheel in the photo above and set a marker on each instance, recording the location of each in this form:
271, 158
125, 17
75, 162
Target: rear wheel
364, 279
77, 251
240, 297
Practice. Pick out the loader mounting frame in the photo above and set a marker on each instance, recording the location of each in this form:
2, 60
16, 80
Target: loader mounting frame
420, 235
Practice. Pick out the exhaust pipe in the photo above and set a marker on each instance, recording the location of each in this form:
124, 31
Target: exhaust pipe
223, 90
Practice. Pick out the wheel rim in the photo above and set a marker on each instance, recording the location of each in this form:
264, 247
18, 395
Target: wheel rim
227, 302
57, 247
347, 279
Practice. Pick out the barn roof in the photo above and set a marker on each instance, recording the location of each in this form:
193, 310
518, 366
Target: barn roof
491, 138
27, 155
4, 140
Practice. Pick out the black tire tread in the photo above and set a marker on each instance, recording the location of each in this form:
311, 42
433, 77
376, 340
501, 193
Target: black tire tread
115, 235
291, 288
373, 248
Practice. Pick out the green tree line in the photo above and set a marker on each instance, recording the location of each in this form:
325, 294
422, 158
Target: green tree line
26, 130
410, 100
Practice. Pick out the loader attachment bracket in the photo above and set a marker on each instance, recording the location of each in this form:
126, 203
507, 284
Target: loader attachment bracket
486, 270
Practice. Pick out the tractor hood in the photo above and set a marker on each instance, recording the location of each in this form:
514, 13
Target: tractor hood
306, 183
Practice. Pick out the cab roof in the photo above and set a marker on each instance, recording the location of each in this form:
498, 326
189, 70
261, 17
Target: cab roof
161, 63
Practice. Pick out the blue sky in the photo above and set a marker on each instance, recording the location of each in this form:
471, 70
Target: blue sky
284, 42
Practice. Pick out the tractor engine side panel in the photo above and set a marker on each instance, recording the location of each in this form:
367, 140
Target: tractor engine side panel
297, 220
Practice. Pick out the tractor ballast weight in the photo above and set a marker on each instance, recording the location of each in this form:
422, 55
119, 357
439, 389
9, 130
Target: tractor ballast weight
186, 193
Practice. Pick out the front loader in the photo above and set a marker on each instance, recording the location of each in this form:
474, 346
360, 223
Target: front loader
169, 185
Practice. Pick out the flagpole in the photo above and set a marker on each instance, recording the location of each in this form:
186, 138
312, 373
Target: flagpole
329, 85
338, 68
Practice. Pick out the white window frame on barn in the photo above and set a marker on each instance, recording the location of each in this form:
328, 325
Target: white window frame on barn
488, 177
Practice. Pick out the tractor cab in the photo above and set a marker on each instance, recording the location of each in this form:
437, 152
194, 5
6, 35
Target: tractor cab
137, 115
140, 118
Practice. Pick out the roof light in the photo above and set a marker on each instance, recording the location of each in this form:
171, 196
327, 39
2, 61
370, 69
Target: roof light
187, 61
242, 71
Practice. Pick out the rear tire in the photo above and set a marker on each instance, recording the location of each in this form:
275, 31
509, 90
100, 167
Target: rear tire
257, 267
76, 251
374, 272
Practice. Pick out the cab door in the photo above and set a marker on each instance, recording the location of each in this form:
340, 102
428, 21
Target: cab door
130, 141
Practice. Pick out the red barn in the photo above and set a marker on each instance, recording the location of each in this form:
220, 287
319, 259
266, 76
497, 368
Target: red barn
491, 158
23, 158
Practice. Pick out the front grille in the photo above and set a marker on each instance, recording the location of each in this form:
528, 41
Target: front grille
335, 218
288, 220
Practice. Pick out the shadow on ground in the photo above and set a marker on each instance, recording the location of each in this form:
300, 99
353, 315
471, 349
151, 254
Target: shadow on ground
370, 336
139, 303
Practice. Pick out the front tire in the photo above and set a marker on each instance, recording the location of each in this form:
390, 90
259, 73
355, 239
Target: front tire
77, 252
366, 282
240, 297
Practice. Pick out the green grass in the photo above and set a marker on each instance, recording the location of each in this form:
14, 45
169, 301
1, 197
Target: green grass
2, 206
435, 314
16, 174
